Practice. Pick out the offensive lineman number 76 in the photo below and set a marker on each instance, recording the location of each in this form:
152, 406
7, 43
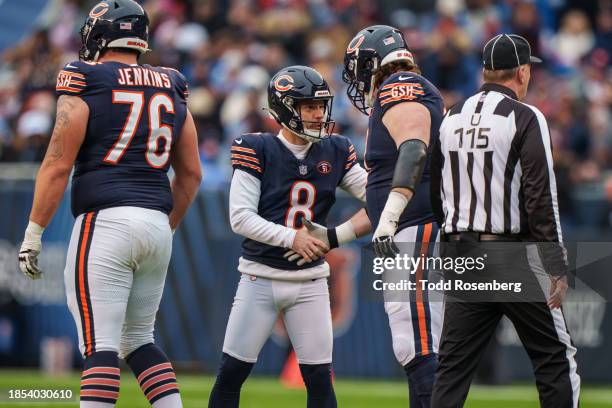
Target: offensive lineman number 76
157, 131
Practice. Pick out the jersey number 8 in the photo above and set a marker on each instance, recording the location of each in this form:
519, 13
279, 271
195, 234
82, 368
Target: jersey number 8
298, 206
157, 131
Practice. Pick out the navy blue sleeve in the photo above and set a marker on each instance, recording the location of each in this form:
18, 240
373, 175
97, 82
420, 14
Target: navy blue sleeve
402, 87
247, 154
181, 85
347, 152
72, 79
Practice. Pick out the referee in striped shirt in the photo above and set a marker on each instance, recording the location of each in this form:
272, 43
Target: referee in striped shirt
492, 181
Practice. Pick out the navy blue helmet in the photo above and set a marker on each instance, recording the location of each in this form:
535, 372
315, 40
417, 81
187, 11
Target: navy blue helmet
114, 24
369, 50
295, 84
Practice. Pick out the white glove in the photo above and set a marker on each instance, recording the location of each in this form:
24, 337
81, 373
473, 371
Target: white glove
384, 246
29, 251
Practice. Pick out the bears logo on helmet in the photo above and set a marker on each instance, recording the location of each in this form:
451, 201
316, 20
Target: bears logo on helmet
288, 85
99, 10
358, 41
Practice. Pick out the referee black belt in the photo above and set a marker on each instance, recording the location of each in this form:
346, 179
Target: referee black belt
472, 236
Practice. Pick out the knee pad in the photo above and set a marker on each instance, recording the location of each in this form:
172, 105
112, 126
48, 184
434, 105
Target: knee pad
232, 373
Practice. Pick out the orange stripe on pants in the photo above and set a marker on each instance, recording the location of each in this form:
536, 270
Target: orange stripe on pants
419, 291
83, 295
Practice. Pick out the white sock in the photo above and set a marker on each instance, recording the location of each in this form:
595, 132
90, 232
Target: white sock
169, 401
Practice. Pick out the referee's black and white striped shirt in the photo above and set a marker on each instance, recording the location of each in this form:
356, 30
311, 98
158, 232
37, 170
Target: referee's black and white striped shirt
492, 169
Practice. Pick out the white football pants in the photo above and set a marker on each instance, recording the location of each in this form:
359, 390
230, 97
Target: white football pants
306, 312
415, 322
115, 272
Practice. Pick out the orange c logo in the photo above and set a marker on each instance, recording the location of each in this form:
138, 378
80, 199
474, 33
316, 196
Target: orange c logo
287, 86
99, 10
358, 42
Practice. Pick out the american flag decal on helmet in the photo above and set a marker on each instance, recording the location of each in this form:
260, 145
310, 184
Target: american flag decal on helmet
388, 40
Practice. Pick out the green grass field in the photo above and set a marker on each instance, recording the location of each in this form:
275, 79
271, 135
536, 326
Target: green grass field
264, 392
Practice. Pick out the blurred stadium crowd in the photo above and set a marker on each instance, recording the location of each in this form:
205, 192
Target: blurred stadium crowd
229, 49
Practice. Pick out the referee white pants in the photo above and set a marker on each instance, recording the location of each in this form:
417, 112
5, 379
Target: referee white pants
415, 322
306, 313
115, 272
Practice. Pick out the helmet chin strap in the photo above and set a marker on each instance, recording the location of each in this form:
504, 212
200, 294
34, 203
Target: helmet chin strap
309, 137
369, 97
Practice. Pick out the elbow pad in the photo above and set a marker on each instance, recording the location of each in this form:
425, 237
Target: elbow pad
410, 164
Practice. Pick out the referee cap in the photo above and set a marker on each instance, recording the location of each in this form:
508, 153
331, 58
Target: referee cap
507, 51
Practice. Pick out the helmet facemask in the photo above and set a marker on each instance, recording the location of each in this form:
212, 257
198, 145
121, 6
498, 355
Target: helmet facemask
359, 70
303, 128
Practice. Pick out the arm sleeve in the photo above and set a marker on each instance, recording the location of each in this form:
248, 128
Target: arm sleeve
71, 80
244, 219
437, 163
247, 155
354, 182
540, 193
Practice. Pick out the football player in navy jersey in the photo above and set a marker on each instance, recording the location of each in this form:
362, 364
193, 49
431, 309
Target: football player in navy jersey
405, 112
121, 125
282, 183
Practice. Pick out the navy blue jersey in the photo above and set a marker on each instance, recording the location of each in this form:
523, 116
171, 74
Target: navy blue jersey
136, 114
381, 151
291, 188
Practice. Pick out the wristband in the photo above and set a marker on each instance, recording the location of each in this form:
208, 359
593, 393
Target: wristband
332, 238
345, 233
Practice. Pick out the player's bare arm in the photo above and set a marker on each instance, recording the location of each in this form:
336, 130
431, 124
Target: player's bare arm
68, 134
406, 121
409, 125
188, 172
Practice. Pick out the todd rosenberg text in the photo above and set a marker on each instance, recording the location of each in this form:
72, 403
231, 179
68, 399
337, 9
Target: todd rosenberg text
455, 284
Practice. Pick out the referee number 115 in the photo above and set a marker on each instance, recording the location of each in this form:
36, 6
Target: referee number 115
477, 137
